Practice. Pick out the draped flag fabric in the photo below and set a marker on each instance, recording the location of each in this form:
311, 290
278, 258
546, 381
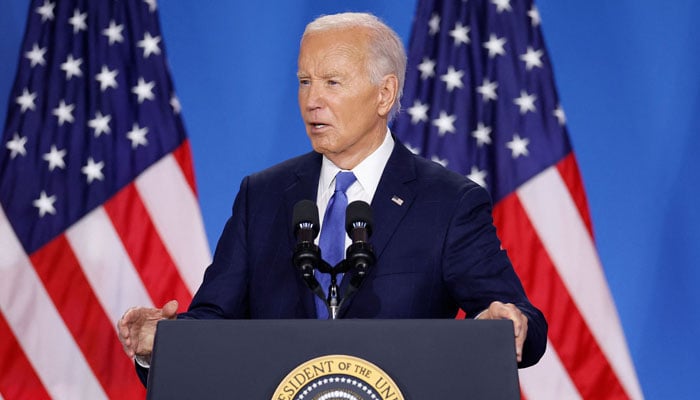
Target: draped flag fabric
99, 210
480, 99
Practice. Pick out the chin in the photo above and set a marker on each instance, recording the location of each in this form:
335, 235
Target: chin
321, 144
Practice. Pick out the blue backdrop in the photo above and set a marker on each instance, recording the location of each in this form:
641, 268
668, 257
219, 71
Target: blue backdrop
628, 74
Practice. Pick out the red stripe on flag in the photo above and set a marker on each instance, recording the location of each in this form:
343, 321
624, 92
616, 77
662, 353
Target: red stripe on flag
61, 274
145, 248
183, 156
17, 377
578, 350
568, 169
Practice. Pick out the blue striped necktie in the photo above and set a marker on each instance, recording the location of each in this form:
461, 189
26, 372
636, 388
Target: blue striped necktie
332, 241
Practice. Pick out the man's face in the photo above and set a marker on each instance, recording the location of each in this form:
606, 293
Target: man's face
340, 106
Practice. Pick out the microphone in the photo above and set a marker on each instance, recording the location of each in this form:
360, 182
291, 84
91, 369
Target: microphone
358, 224
307, 255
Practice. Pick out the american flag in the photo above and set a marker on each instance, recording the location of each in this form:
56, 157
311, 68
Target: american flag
480, 99
99, 210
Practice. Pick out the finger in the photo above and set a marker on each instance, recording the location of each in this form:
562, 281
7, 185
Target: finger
521, 336
126, 346
498, 310
170, 309
123, 328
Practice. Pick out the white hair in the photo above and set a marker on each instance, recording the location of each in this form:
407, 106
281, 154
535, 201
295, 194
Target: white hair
387, 55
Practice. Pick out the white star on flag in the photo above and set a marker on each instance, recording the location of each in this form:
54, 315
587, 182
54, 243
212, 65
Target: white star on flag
100, 123
441, 161
495, 46
518, 146
460, 34
526, 102
175, 104
532, 58
107, 78
488, 90
26, 100
149, 44
114, 32
93, 170
418, 112
482, 134
46, 11
55, 158
45, 204
534, 15
434, 24
72, 67
151, 5
144, 90
445, 123
453, 78
78, 21
478, 176
427, 68
16, 145
559, 114
413, 149
36, 55
137, 135
64, 112
502, 5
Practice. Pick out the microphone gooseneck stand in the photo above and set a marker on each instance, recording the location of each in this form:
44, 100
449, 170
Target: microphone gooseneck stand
307, 256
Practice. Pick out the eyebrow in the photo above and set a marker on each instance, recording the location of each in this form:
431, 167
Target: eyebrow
330, 74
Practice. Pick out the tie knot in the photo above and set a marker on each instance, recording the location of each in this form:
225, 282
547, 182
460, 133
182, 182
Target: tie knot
343, 180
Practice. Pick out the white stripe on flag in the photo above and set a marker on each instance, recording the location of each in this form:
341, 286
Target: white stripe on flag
548, 379
106, 264
558, 223
38, 327
175, 212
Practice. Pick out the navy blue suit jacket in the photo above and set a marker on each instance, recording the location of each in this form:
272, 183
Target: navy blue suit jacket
436, 252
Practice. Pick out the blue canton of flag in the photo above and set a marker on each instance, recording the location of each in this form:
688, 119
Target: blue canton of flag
480, 98
91, 108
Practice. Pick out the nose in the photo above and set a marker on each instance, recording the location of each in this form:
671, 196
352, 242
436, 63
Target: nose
311, 96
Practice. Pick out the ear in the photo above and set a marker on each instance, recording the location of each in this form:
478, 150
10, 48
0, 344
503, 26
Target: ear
388, 90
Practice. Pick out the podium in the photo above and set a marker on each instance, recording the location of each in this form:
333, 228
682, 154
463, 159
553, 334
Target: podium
298, 359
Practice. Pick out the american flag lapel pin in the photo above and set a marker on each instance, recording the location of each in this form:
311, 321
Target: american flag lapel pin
398, 200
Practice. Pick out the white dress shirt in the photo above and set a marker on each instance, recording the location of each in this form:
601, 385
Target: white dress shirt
367, 173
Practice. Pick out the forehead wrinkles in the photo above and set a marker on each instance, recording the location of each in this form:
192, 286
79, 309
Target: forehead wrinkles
333, 53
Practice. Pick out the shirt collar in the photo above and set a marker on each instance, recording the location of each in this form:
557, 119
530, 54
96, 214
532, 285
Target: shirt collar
368, 172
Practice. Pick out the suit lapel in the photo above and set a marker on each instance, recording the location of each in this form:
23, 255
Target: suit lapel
393, 197
391, 201
303, 186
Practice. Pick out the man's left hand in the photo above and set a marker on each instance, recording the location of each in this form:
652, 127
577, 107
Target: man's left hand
498, 310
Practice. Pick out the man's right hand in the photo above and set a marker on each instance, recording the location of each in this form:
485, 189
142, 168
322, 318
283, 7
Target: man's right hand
137, 328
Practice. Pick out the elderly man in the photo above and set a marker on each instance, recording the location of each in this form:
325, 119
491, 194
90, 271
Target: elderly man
436, 247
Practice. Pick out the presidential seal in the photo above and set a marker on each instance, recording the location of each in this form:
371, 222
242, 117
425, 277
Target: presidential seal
337, 377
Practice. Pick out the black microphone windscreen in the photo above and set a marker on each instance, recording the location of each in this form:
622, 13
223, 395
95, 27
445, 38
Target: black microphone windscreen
305, 211
358, 211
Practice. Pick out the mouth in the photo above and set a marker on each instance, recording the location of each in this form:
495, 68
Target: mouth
317, 126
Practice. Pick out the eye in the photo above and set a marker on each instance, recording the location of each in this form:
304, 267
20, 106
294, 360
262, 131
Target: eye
304, 82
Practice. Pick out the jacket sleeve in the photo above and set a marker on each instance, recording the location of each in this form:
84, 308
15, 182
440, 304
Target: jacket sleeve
477, 270
224, 290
